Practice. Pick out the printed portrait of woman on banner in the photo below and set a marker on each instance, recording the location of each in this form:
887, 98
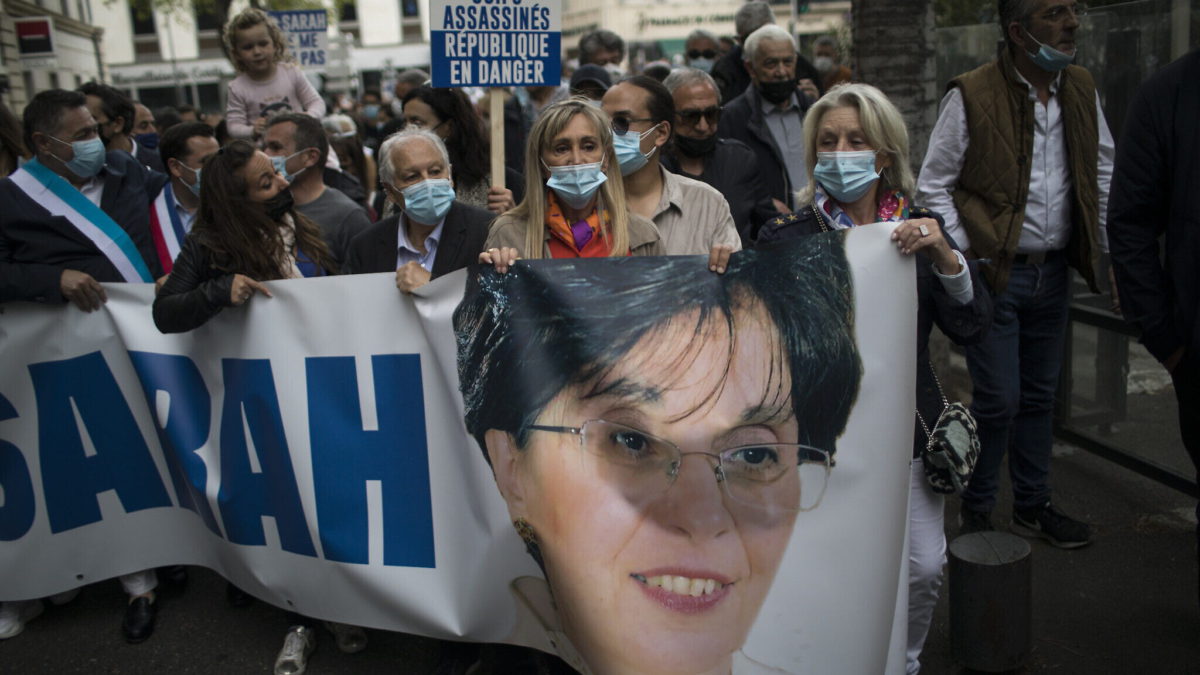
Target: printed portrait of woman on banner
658, 432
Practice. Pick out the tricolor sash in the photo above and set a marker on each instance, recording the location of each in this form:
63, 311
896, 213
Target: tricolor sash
166, 228
53, 193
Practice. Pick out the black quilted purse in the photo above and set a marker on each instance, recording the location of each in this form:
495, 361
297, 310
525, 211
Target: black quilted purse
953, 448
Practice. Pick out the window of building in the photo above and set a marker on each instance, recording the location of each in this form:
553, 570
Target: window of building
349, 11
410, 32
410, 8
54, 79
143, 23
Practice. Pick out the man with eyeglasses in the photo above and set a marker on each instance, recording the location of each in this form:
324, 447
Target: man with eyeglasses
74, 216
701, 50
692, 218
1019, 165
724, 163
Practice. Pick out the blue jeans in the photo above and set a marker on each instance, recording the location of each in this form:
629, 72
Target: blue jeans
1015, 375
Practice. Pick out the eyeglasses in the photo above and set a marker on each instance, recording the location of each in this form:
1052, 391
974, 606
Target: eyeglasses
620, 123
769, 478
707, 53
691, 118
1059, 13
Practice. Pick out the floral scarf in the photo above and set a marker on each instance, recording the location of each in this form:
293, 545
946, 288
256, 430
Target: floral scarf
892, 206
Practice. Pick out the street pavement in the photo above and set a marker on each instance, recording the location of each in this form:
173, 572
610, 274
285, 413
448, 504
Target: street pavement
1125, 604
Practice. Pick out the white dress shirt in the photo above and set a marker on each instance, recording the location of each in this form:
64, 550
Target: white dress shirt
1047, 225
406, 252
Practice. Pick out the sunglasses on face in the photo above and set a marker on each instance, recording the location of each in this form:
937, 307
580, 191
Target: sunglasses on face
620, 123
707, 53
691, 118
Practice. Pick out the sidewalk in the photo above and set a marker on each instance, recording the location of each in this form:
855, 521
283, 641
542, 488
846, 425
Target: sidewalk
1125, 604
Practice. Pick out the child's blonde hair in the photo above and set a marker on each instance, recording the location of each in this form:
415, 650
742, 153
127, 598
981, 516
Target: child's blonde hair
249, 18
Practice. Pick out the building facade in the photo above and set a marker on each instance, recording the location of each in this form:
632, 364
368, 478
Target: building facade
77, 49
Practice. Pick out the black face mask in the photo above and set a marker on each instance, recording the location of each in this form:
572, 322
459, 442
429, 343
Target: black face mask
778, 92
695, 147
278, 205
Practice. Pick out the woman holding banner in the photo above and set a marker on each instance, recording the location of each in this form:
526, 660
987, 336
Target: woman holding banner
246, 232
856, 148
571, 208
657, 431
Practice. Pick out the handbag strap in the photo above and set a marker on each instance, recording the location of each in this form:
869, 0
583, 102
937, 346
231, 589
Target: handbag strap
941, 393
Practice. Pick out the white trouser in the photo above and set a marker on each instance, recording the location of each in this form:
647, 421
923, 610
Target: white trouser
139, 583
926, 557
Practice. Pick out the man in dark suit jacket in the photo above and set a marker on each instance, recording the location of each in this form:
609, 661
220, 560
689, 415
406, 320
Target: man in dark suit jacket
769, 115
1153, 191
46, 258
72, 217
434, 234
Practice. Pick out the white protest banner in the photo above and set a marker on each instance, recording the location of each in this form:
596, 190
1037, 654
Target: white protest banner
307, 32
311, 448
495, 43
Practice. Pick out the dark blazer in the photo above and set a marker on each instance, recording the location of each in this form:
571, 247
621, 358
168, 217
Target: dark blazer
1154, 185
36, 247
463, 236
742, 120
150, 159
964, 324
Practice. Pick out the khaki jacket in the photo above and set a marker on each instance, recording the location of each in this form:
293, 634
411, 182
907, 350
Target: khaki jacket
509, 231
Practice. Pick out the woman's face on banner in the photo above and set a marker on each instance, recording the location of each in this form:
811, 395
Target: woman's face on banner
652, 573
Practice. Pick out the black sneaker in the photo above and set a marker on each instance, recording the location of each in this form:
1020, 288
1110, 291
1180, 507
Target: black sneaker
1049, 523
974, 521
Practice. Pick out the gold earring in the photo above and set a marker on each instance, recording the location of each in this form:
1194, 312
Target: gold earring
525, 531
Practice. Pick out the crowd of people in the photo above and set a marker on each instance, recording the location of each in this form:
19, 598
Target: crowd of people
744, 144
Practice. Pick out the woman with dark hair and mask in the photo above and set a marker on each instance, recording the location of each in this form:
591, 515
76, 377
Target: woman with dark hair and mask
246, 233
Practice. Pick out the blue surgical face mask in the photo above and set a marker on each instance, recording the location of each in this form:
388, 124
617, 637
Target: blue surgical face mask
370, 111
429, 201
193, 186
148, 141
702, 64
846, 176
629, 150
89, 157
1048, 58
281, 165
576, 184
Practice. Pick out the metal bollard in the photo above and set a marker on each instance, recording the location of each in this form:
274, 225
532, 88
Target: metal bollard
991, 601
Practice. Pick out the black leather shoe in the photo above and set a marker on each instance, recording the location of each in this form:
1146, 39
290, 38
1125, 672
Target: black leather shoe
236, 597
139, 620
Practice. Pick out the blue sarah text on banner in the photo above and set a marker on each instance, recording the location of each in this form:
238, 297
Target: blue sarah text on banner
185, 428
16, 515
122, 462
246, 496
345, 456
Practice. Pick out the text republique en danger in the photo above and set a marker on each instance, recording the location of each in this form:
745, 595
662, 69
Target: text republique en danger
498, 40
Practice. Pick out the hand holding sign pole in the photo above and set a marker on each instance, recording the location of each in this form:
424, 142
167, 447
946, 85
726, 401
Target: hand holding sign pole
496, 43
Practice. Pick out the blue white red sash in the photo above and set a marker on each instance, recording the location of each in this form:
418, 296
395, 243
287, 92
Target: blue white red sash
53, 193
166, 228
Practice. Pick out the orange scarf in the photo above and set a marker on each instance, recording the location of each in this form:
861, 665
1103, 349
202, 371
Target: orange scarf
563, 243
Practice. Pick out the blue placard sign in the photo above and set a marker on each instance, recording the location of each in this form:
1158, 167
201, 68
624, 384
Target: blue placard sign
495, 43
